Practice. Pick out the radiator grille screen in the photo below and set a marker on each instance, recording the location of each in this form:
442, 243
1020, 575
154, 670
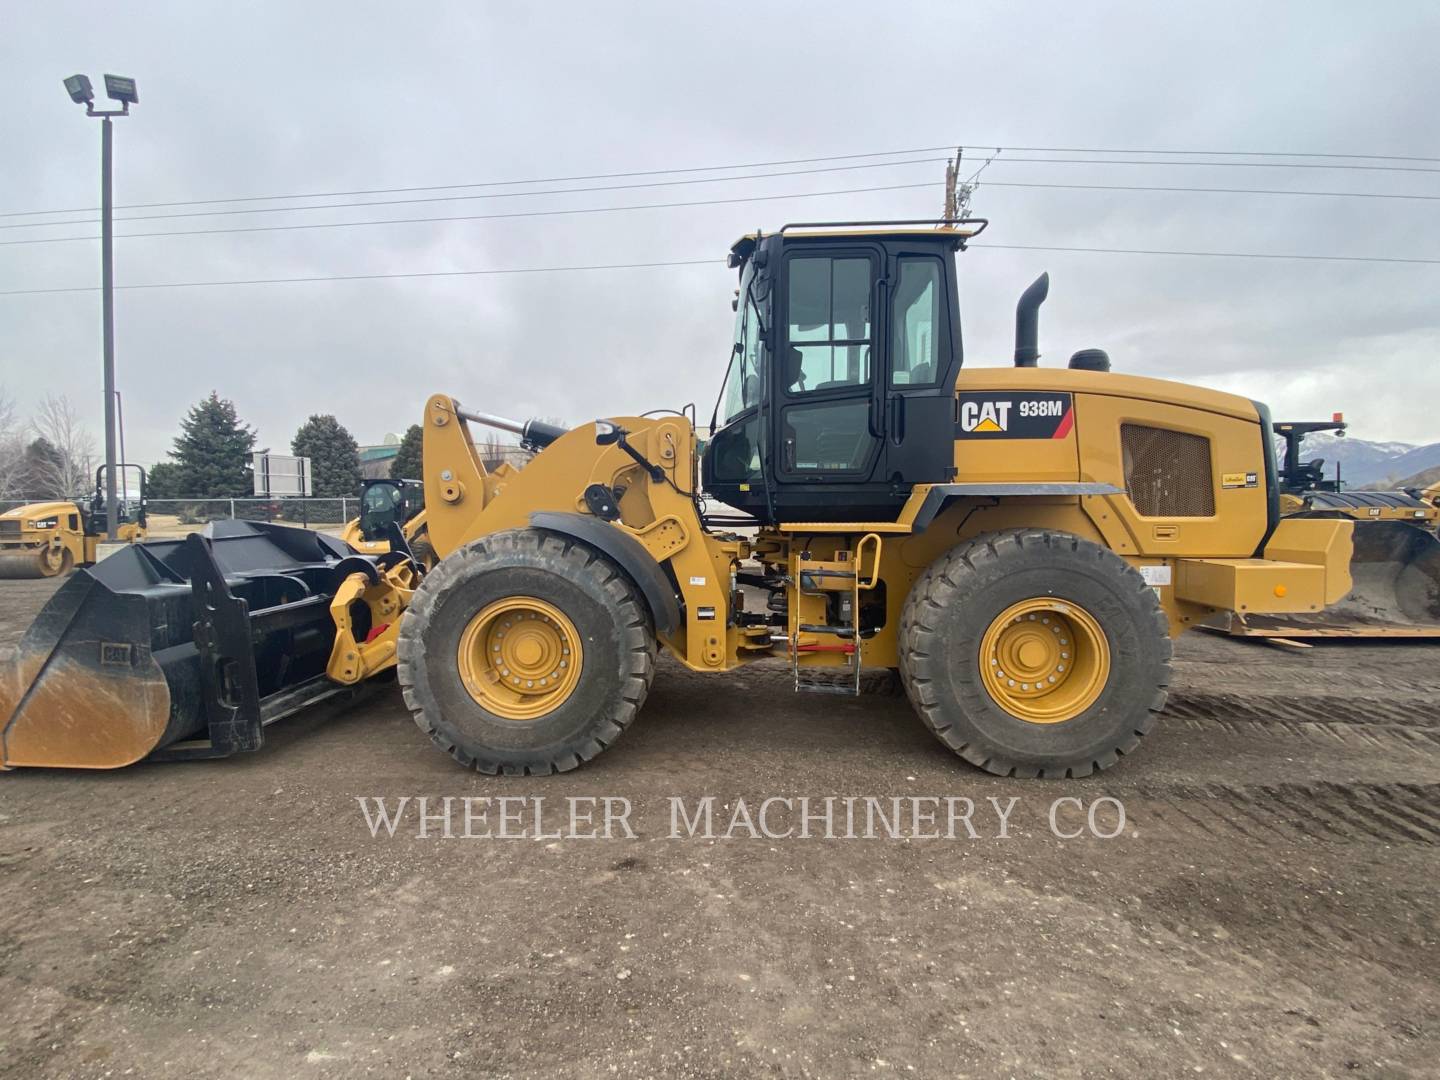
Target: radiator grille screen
1167, 473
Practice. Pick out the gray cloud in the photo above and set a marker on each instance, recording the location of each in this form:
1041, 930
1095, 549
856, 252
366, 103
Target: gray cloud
284, 97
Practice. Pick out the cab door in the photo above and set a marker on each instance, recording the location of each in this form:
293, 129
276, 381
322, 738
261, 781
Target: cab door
923, 362
827, 426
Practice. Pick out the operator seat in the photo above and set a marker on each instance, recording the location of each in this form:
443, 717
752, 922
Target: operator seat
1313, 472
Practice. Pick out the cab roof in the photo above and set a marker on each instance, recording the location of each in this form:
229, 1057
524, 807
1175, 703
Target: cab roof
938, 228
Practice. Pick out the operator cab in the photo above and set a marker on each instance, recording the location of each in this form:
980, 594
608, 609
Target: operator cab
1296, 476
130, 504
385, 502
840, 392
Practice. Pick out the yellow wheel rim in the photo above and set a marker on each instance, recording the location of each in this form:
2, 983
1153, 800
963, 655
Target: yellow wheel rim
52, 561
520, 658
1044, 660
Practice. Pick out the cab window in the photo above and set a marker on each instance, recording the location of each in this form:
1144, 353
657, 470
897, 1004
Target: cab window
917, 323
829, 328
742, 383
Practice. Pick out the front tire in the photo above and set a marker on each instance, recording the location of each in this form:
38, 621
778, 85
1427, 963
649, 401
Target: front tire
1035, 653
525, 653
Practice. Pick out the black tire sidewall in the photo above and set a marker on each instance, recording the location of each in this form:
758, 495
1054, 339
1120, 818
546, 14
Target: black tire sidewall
1079, 573
462, 587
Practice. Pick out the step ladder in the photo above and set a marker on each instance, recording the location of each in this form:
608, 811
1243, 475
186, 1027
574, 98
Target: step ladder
844, 574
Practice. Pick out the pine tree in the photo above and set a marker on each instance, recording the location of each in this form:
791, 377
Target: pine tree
40, 471
407, 463
212, 452
162, 481
333, 453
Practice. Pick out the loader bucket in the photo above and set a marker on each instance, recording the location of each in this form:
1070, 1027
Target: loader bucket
1396, 573
1395, 591
175, 648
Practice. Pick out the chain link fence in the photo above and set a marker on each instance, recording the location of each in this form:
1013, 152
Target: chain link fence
182, 515
309, 512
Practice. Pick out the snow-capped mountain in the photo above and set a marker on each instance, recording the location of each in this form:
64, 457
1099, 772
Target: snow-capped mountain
1366, 463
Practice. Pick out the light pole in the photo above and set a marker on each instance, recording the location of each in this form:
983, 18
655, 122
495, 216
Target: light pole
120, 424
121, 89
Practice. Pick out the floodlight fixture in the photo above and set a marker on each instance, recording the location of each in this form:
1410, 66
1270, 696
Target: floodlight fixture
121, 88
79, 89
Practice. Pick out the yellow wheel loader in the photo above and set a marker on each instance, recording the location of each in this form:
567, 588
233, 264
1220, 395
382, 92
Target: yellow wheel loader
1395, 567
49, 538
1022, 543
385, 504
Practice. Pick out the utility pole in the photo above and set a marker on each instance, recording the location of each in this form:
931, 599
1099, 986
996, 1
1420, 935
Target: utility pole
121, 89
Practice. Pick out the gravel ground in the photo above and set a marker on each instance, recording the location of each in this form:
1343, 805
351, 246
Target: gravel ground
1267, 910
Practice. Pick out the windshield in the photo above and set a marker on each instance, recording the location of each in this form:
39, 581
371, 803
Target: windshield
379, 508
742, 383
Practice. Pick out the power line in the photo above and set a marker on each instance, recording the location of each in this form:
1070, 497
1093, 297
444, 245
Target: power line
747, 176
1209, 164
767, 164
489, 195
486, 183
378, 277
1206, 153
1210, 254
1208, 190
693, 203
974, 246
474, 217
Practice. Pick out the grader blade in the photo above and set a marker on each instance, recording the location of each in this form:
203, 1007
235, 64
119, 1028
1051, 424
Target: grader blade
175, 649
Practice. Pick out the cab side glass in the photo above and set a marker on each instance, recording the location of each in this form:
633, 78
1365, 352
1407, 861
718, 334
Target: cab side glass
916, 326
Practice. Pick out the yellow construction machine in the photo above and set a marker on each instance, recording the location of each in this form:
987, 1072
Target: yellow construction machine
48, 538
1395, 566
1021, 543
385, 504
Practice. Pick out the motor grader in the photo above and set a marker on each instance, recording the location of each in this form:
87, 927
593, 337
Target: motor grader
1395, 562
46, 539
1020, 542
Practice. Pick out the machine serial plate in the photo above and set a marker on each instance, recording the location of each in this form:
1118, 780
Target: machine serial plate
1013, 415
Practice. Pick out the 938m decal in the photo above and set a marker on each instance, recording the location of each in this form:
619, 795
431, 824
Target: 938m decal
1013, 415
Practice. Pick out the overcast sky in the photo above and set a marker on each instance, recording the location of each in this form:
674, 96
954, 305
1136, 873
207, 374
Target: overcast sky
262, 99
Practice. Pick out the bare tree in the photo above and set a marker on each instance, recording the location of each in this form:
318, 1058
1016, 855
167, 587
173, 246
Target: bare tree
68, 474
495, 451
12, 447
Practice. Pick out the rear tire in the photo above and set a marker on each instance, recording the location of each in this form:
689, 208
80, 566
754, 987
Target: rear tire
953, 631
573, 597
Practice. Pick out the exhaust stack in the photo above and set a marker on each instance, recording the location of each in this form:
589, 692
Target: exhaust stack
1027, 322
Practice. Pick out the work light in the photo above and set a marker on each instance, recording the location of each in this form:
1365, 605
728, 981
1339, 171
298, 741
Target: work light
78, 87
121, 88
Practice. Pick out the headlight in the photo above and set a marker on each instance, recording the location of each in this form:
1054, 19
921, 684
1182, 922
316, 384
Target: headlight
44, 523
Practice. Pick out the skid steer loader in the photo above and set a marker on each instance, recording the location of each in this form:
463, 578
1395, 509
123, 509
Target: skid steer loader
385, 503
1395, 567
1021, 543
49, 538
